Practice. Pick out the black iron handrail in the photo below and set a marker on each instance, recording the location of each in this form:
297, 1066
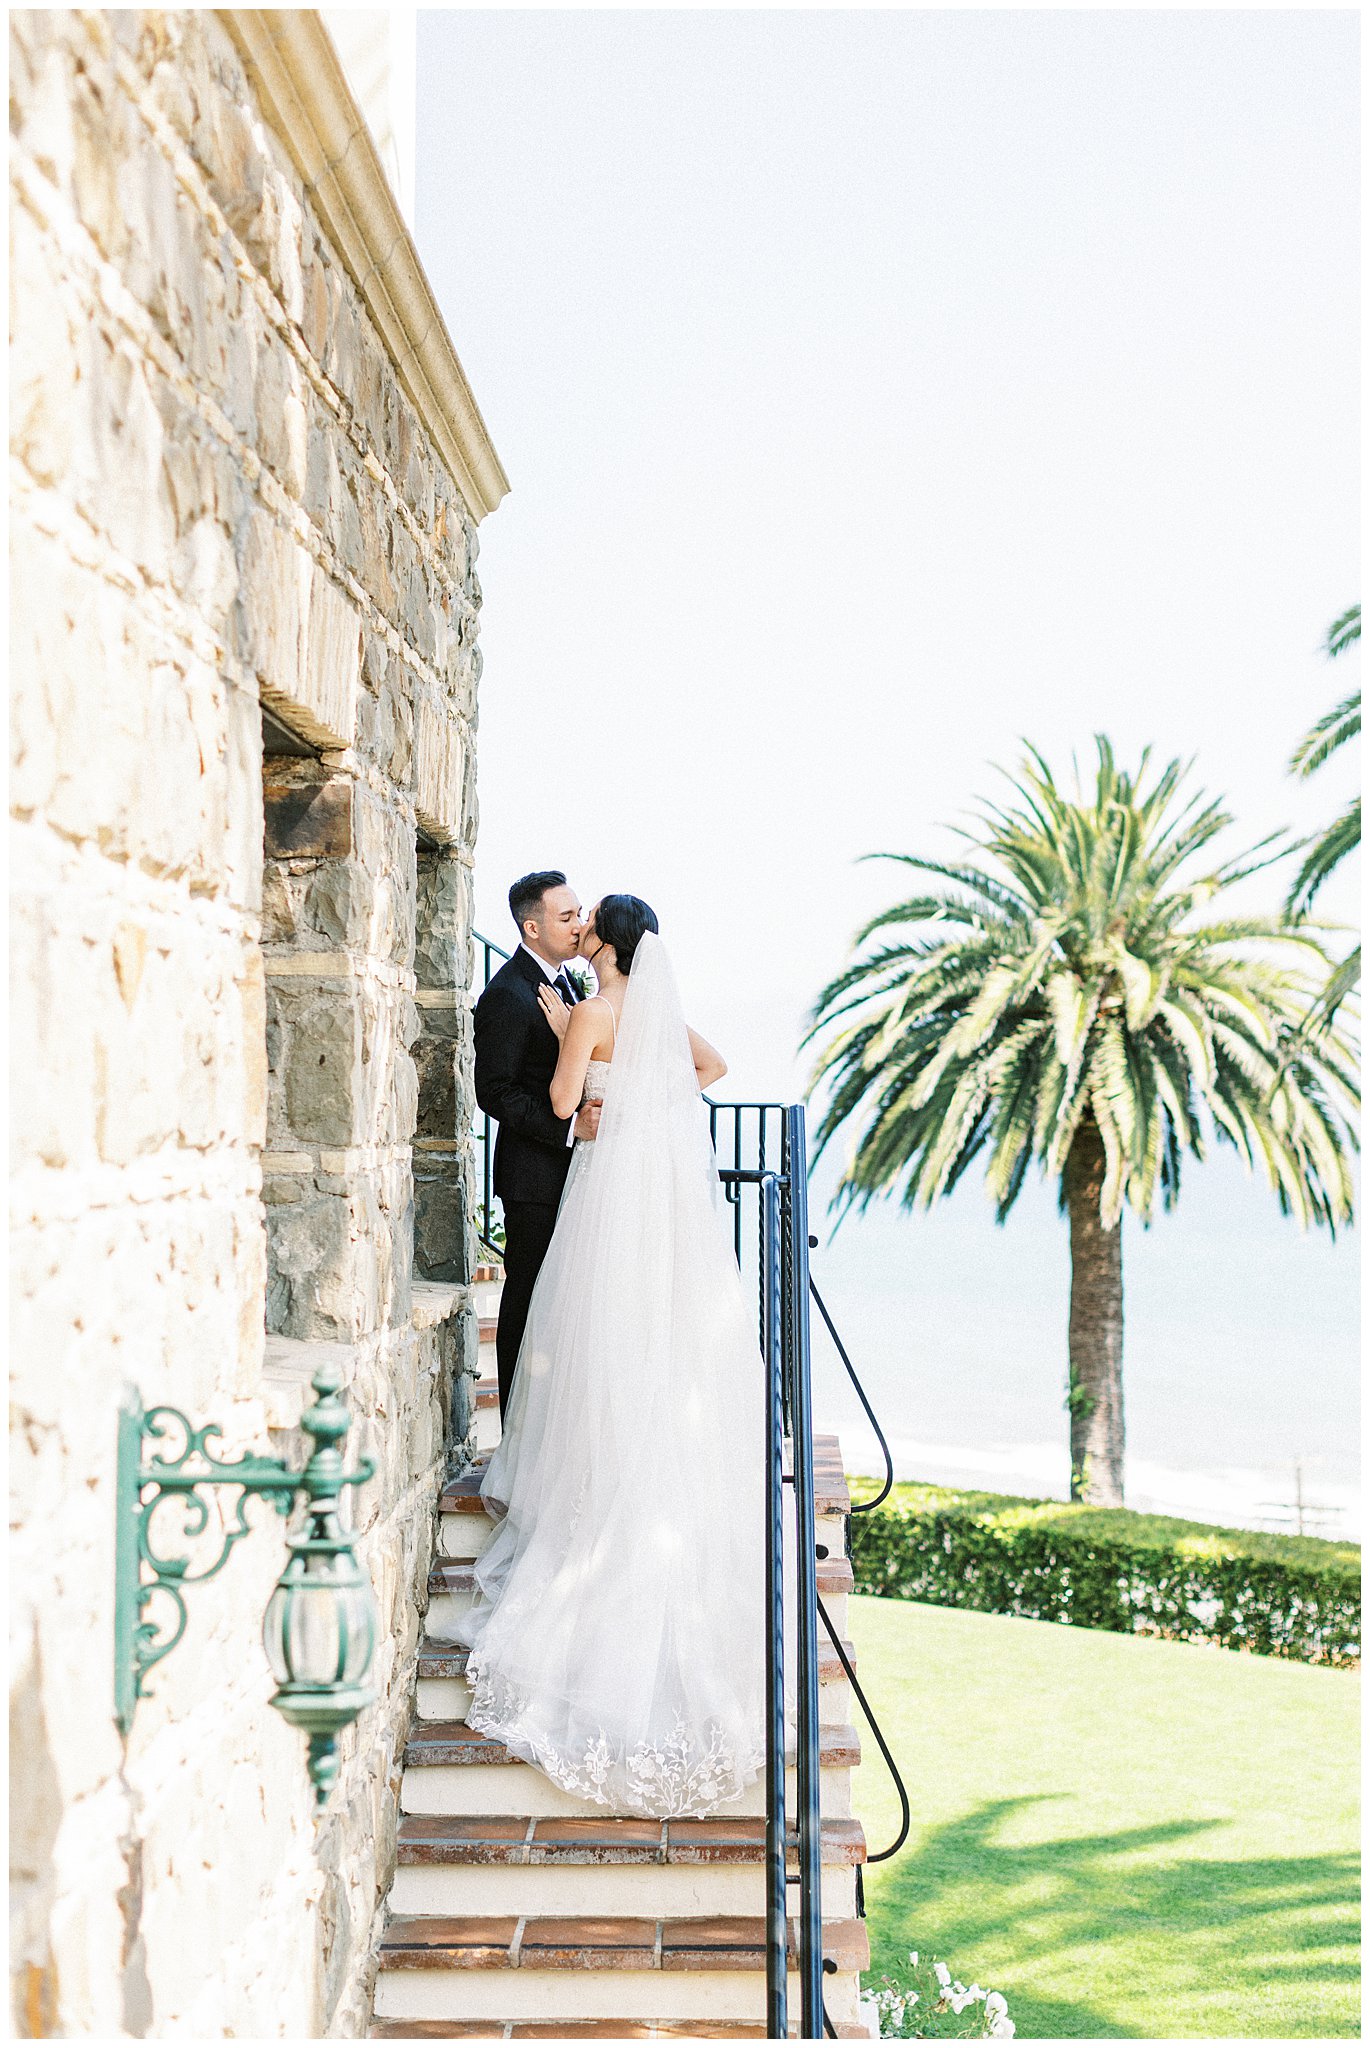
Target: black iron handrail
774, 1134
861, 1507
858, 1507
485, 1124
784, 1257
807, 1754
726, 1120
777, 1896
906, 1816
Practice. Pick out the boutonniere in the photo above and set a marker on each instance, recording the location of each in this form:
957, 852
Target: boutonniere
579, 978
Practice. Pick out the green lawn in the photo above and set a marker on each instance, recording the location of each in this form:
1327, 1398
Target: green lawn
1128, 1838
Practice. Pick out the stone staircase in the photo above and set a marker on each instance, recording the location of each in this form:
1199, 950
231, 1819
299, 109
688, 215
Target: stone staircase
519, 1911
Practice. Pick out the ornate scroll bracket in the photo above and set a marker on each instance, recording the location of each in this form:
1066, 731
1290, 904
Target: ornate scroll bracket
162, 1458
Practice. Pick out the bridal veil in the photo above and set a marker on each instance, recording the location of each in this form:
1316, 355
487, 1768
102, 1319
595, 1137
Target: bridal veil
618, 1635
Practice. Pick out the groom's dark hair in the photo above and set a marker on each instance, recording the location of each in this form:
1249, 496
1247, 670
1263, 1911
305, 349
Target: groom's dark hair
620, 921
525, 898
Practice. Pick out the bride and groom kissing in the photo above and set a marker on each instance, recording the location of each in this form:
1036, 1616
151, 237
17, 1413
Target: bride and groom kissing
617, 1636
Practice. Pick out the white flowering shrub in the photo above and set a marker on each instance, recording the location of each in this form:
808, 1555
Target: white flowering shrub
929, 2004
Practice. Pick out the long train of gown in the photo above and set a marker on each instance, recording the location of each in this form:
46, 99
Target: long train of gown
617, 1639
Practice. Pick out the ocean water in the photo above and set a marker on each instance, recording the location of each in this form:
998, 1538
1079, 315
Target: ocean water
1241, 1366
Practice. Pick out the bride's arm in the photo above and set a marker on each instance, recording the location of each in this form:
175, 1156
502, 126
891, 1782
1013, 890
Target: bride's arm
710, 1066
568, 1082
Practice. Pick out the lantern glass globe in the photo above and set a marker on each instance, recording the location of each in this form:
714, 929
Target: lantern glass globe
320, 1624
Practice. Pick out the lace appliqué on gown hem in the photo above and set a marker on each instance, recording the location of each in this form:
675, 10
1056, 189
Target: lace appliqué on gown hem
689, 1775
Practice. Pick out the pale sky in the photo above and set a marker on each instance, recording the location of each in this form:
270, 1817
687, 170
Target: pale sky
877, 389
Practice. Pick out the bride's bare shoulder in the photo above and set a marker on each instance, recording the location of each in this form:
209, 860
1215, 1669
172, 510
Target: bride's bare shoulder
594, 1023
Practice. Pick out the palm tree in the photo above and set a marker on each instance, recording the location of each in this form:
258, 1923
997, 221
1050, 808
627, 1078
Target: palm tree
1330, 848
1091, 1007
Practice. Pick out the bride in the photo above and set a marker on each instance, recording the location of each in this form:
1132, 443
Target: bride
617, 1639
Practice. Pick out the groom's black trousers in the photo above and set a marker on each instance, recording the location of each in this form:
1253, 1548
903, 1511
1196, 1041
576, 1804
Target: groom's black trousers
528, 1228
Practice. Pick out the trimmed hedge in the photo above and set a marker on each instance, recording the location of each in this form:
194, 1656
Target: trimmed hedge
1050, 1560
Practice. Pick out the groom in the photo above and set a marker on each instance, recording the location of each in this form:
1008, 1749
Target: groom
516, 1056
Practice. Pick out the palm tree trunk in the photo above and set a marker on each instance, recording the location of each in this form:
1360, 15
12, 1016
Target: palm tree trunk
1095, 1397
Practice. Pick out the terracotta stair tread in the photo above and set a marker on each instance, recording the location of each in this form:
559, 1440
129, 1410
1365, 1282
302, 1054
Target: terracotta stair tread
442, 1660
435, 1743
539, 1941
448, 1660
831, 1494
541, 1840
589, 2030
456, 1575
462, 1496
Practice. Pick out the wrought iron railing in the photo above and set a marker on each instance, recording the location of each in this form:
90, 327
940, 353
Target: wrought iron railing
782, 1247
763, 1165
758, 1131
487, 1230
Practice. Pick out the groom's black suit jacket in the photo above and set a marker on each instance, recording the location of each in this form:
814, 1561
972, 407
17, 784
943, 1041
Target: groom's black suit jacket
516, 1057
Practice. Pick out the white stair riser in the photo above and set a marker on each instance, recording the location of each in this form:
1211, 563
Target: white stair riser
446, 1609
520, 1788
487, 1429
446, 1699
487, 1293
444, 1612
443, 1699
465, 1536
576, 1890
594, 1994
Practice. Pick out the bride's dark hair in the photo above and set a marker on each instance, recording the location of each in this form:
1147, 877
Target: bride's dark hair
620, 922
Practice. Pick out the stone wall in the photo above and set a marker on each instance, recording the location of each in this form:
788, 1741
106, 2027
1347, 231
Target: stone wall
239, 976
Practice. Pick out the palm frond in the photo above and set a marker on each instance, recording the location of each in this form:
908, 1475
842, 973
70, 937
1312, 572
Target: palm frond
1333, 730
1326, 854
1081, 965
1343, 978
1343, 631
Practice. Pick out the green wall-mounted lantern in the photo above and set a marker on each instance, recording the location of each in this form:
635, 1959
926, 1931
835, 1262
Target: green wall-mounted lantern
320, 1626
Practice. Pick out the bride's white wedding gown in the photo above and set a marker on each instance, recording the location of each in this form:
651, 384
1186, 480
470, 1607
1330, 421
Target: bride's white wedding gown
617, 1638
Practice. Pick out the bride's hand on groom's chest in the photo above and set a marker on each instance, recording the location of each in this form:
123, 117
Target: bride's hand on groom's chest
554, 1011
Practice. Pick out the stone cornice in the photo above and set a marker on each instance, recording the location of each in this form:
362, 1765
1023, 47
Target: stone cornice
310, 105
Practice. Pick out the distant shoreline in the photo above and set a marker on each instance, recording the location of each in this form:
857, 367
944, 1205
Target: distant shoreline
1241, 1497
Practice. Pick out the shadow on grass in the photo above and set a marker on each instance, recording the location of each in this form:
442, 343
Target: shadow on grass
1171, 1939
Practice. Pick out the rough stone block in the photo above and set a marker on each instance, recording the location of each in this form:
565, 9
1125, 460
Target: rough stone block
442, 941
252, 996
282, 414
438, 769
332, 668
440, 1228
437, 1078
45, 354
323, 1059
309, 1286
334, 906
298, 633
307, 810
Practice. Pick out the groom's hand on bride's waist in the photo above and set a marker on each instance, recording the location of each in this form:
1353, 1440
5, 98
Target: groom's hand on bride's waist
587, 1120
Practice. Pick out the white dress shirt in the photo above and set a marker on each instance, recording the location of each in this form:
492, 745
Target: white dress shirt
546, 965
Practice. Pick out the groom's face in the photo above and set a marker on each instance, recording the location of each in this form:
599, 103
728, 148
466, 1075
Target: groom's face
557, 926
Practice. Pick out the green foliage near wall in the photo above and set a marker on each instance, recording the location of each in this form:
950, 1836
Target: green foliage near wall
1048, 1560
